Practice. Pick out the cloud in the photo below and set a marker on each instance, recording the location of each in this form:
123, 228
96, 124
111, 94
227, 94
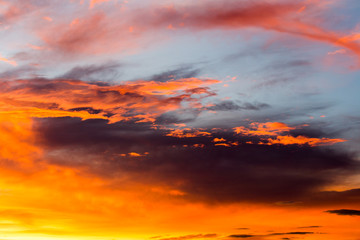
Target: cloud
279, 16
275, 129
291, 233
94, 2
264, 129
109, 129
178, 73
299, 63
97, 32
94, 72
210, 174
18, 72
178, 117
331, 198
232, 106
187, 133
193, 236
9, 61
267, 235
15, 10
241, 236
142, 100
286, 140
345, 212
87, 35
310, 227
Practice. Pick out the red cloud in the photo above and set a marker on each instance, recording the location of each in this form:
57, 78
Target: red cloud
97, 32
291, 17
86, 35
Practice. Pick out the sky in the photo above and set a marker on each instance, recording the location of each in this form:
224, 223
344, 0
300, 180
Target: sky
179, 119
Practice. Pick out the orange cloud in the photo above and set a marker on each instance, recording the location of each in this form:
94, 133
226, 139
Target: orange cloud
261, 129
134, 154
47, 18
350, 38
219, 140
35, 47
302, 140
139, 100
223, 144
276, 129
187, 133
172, 87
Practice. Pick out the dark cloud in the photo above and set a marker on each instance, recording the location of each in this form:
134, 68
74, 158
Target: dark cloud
241, 236
274, 81
178, 73
95, 72
38, 86
290, 114
183, 116
193, 236
280, 72
310, 227
345, 212
212, 174
19, 72
291, 233
328, 198
291, 64
271, 234
88, 109
231, 106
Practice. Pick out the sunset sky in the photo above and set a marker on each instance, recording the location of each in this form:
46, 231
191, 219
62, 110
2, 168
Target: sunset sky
179, 119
